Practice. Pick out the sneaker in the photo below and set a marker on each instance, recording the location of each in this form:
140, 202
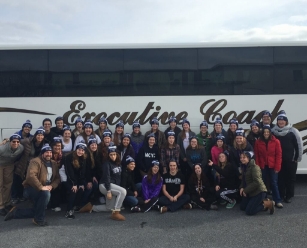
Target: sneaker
136, 209
70, 214
188, 206
279, 205
163, 209
76, 209
287, 200
40, 223
10, 214
213, 207
222, 202
231, 204
156, 207
57, 209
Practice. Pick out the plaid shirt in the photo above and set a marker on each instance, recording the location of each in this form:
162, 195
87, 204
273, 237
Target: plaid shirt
170, 153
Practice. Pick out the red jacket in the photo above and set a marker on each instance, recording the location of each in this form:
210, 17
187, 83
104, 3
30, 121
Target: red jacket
268, 154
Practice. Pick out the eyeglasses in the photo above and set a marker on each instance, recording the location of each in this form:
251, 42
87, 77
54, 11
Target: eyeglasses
15, 141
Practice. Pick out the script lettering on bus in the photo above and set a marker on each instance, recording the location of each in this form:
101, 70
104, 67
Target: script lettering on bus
127, 117
211, 109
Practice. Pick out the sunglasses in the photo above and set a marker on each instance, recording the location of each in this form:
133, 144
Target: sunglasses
15, 141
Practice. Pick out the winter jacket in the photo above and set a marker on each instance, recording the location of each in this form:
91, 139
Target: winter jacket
290, 141
127, 181
252, 179
9, 156
213, 137
234, 153
111, 173
20, 134
37, 174
215, 151
75, 176
137, 141
123, 154
151, 190
228, 176
252, 137
268, 153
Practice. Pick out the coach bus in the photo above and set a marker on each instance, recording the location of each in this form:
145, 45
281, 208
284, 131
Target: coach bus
138, 82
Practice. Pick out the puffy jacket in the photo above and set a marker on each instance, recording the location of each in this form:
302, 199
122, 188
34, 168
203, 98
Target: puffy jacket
268, 154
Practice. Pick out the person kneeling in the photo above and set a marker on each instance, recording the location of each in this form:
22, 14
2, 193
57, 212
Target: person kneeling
252, 189
173, 190
42, 178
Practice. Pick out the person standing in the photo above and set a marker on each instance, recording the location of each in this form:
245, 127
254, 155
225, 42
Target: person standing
204, 138
49, 135
42, 178
137, 138
292, 151
78, 127
268, 158
159, 135
169, 151
25, 130
9, 153
172, 127
103, 125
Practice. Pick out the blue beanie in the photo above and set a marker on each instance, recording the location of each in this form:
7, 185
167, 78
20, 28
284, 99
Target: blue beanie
88, 124
234, 121
218, 121
120, 124
107, 133
103, 119
78, 120
185, 121
45, 148
81, 145
254, 123
203, 123
136, 124
220, 137
240, 132
172, 119
170, 133
15, 136
282, 116
40, 130
91, 140
27, 124
266, 112
129, 160
154, 121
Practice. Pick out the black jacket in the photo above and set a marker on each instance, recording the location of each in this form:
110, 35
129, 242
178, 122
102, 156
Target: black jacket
145, 156
111, 173
228, 176
75, 176
127, 182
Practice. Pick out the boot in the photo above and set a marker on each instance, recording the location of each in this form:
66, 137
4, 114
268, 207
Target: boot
86, 208
269, 205
117, 216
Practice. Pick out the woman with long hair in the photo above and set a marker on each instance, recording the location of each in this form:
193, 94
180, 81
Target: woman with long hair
240, 145
76, 171
137, 138
196, 154
268, 157
125, 149
201, 193
183, 142
226, 183
252, 188
151, 187
102, 126
118, 133
88, 131
219, 147
159, 135
254, 133
169, 151
109, 184
231, 132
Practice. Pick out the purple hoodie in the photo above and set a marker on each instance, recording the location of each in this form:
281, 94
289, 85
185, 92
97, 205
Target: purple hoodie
152, 189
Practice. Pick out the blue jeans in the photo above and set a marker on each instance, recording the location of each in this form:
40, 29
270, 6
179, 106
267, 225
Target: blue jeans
131, 201
273, 180
174, 206
254, 204
17, 187
40, 200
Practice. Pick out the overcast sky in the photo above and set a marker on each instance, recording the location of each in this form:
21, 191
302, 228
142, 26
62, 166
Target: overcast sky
151, 21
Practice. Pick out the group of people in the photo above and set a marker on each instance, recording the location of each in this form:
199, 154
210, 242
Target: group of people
97, 170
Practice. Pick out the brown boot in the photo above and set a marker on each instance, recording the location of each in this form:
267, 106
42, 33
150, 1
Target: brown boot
117, 216
269, 205
86, 208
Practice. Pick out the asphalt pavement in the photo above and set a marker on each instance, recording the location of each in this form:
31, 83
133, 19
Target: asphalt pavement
182, 229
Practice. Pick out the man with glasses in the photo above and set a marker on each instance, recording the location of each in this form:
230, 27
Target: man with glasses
9, 153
